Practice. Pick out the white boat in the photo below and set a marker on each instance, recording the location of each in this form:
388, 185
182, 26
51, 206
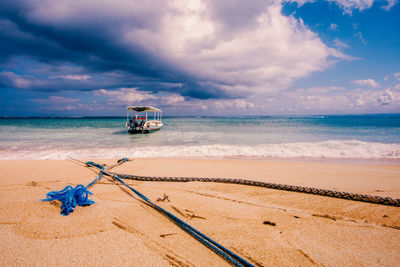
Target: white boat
143, 119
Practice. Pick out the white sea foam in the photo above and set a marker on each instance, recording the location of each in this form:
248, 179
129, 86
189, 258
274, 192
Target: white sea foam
332, 149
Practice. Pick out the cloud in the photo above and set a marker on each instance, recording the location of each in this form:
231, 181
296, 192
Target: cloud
386, 98
173, 99
376, 98
335, 100
333, 27
72, 77
122, 97
55, 100
265, 57
204, 55
125, 96
10, 79
321, 89
360, 37
235, 103
339, 44
367, 82
390, 4
198, 49
349, 5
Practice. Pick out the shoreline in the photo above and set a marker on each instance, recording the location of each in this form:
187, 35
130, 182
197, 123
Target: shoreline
294, 159
350, 161
304, 229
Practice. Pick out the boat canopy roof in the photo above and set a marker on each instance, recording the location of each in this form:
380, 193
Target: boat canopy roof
143, 108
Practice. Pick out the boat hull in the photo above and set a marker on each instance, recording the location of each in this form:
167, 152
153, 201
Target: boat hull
134, 131
144, 126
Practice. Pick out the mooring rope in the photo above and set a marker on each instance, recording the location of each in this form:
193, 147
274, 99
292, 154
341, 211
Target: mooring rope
70, 197
205, 240
293, 188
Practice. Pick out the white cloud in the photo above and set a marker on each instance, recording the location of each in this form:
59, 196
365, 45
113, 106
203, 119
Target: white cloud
55, 100
396, 87
329, 100
72, 77
211, 106
321, 89
349, 5
386, 98
10, 79
333, 27
367, 82
234, 103
131, 96
266, 56
339, 44
360, 37
125, 96
235, 46
390, 4
375, 99
173, 99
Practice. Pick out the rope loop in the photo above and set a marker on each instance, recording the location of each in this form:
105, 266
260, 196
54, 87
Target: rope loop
123, 160
70, 197
91, 163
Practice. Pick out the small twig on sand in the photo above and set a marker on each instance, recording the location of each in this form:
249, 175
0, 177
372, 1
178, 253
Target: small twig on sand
178, 211
191, 216
326, 216
269, 223
164, 235
164, 198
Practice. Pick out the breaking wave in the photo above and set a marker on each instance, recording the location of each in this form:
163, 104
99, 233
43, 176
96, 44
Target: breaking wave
332, 149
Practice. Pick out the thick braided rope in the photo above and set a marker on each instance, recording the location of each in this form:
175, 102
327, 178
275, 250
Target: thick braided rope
205, 240
302, 189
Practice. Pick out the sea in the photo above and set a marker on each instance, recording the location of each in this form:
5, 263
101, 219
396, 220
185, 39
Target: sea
351, 137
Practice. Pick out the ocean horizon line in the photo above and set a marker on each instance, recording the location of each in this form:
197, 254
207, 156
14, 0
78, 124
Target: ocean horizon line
212, 116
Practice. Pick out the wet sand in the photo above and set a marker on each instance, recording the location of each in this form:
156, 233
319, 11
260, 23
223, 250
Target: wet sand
266, 227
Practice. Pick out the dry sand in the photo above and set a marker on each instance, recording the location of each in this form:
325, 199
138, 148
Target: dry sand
121, 230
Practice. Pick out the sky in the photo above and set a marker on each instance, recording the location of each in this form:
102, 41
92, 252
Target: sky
199, 57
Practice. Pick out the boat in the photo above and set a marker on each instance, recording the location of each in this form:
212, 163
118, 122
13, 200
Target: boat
143, 119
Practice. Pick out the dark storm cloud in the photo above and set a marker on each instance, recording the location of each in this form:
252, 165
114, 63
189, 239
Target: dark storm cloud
94, 45
199, 49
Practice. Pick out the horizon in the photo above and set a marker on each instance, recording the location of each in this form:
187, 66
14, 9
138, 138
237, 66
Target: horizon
200, 58
211, 116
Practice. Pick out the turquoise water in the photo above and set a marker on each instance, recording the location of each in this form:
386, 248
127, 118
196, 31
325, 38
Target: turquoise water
363, 137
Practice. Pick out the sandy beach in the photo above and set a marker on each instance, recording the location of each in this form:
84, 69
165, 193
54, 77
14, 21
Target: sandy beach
266, 227
259, 133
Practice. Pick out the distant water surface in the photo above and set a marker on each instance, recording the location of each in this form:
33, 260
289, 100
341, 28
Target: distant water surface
332, 137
